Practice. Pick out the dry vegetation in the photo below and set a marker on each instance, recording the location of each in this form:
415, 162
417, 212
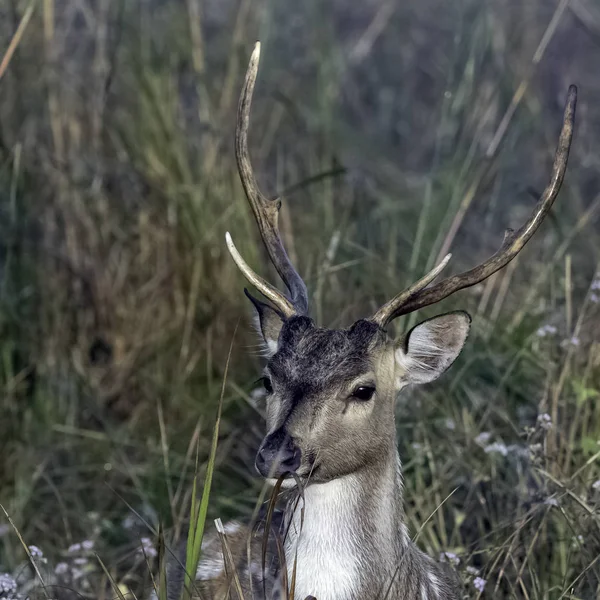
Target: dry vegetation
390, 125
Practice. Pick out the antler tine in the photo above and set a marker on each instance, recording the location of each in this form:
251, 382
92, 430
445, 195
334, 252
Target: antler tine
265, 211
418, 296
385, 314
273, 294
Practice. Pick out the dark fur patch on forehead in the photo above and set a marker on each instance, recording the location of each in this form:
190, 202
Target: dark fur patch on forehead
313, 357
366, 332
294, 329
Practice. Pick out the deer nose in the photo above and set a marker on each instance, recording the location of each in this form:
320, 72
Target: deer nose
278, 454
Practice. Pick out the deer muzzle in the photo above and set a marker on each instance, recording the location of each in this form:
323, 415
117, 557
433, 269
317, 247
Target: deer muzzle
278, 454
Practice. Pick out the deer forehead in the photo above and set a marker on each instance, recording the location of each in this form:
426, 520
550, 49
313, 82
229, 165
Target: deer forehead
311, 359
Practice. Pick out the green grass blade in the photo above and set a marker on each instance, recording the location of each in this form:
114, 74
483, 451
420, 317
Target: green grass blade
162, 564
194, 543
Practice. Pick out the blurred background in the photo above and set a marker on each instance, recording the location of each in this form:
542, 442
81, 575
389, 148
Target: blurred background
396, 131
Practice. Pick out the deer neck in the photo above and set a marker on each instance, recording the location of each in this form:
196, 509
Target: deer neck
353, 533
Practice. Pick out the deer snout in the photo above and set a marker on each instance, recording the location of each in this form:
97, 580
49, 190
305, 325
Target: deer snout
278, 454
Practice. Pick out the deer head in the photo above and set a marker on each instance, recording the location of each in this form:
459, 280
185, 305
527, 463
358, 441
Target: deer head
331, 393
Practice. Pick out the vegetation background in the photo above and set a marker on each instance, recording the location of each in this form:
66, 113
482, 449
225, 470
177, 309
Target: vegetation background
396, 130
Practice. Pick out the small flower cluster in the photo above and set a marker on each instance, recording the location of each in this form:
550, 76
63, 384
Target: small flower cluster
9, 588
36, 554
577, 542
483, 438
475, 579
546, 331
78, 569
450, 557
544, 421
74, 571
496, 447
13, 588
479, 584
470, 575
572, 341
147, 548
77, 566
552, 501
500, 448
449, 424
8, 585
85, 546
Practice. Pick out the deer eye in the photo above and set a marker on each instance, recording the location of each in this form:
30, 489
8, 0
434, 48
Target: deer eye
363, 392
267, 385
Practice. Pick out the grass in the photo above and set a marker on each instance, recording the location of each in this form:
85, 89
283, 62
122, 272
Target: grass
118, 301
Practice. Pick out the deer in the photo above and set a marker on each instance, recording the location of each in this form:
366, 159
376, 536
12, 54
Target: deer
330, 446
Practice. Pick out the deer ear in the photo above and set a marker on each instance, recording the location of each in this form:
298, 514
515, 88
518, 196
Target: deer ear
431, 347
268, 322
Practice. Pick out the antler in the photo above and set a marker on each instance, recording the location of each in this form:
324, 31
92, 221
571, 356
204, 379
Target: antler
419, 295
266, 212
